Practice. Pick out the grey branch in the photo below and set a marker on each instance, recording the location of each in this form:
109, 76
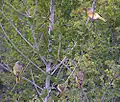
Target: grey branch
34, 83
59, 65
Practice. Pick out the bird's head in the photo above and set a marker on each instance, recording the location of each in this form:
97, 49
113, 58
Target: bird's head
90, 9
18, 63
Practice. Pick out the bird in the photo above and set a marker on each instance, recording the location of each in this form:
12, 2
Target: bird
61, 88
80, 79
93, 15
17, 70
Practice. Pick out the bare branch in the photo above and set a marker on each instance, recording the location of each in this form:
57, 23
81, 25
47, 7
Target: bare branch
26, 67
70, 75
14, 87
93, 4
75, 43
87, 20
59, 47
34, 37
6, 68
58, 65
44, 60
34, 83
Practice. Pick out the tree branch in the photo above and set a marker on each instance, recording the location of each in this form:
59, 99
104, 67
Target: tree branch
70, 74
34, 83
48, 67
59, 65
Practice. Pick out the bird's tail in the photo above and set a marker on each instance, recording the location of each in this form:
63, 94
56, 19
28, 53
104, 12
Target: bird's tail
102, 19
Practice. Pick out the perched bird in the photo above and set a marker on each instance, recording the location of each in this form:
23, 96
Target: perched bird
91, 14
61, 88
80, 79
17, 70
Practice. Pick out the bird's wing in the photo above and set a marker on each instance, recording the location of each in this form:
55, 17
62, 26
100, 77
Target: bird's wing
97, 16
14, 70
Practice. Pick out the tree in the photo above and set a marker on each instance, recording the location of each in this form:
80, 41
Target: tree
55, 45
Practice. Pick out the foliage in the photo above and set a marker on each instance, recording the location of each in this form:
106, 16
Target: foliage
91, 47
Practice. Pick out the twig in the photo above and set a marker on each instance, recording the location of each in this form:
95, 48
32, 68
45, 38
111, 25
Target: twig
26, 67
102, 98
32, 28
5, 68
93, 4
87, 20
58, 65
34, 83
73, 47
62, 62
14, 87
19, 50
70, 75
59, 70
43, 23
27, 64
59, 47
68, 69
44, 60
35, 42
